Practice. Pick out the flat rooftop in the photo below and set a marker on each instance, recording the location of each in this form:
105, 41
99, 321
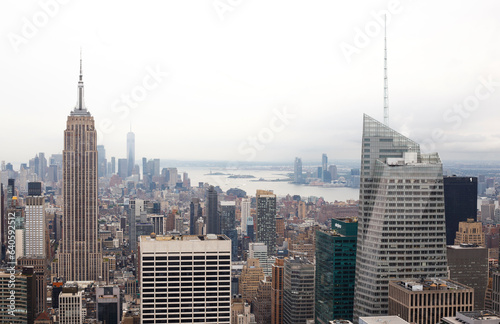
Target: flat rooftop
382, 320
430, 284
208, 237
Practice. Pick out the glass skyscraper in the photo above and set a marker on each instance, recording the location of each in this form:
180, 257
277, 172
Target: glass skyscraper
401, 225
335, 271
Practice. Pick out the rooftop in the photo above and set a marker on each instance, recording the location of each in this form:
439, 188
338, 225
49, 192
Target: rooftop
208, 237
430, 284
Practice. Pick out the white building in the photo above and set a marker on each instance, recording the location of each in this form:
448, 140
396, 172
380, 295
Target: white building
71, 307
35, 222
245, 214
259, 251
185, 278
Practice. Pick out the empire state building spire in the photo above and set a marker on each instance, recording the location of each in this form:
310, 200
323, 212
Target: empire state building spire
80, 108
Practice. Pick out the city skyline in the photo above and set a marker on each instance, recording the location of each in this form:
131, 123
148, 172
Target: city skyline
248, 74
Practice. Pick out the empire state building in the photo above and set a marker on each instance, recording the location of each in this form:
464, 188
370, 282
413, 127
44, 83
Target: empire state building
79, 256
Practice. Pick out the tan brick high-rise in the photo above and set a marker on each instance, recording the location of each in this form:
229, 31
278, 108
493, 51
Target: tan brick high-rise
79, 254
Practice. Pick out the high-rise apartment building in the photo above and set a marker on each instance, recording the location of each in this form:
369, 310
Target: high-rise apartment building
212, 211
79, 254
40, 271
460, 201
297, 170
195, 212
130, 153
35, 221
245, 214
468, 265
71, 305
113, 165
277, 292
401, 225
335, 271
249, 279
298, 291
185, 279
259, 251
427, 301
324, 166
266, 220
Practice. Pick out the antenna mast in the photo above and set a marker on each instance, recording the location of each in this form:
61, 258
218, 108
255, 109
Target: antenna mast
386, 85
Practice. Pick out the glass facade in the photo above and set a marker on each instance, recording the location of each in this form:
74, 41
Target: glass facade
401, 231
335, 272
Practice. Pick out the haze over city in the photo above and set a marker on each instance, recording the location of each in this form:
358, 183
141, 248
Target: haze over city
203, 79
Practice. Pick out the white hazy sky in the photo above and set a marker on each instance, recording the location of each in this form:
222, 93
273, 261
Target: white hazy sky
226, 66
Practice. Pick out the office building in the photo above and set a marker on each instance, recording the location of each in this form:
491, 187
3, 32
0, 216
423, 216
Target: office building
79, 256
71, 305
227, 223
460, 201
259, 251
266, 220
185, 279
401, 224
249, 280
468, 265
130, 152
113, 165
381, 319
474, 317
22, 293
324, 166
245, 214
108, 302
122, 168
40, 271
212, 211
333, 172
262, 302
470, 232
35, 221
297, 171
298, 291
102, 163
335, 271
427, 301
277, 292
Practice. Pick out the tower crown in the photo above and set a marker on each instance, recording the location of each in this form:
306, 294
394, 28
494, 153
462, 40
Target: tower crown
80, 108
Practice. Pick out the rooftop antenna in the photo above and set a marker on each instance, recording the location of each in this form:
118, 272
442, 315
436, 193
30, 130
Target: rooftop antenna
386, 85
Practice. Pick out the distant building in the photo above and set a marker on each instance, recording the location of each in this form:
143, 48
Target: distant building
130, 153
227, 223
297, 171
468, 265
259, 251
266, 220
428, 301
101, 161
122, 168
212, 211
195, 212
35, 221
298, 291
245, 214
324, 166
460, 201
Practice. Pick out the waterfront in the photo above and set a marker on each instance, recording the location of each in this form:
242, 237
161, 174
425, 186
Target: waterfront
250, 185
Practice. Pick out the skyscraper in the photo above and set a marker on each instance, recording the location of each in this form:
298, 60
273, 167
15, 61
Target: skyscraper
200, 296
401, 225
227, 223
212, 212
298, 291
245, 214
324, 165
277, 292
460, 202
266, 220
195, 212
335, 271
297, 170
35, 221
130, 153
102, 163
79, 255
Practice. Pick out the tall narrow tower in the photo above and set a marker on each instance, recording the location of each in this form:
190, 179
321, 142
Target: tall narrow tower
130, 152
386, 83
79, 254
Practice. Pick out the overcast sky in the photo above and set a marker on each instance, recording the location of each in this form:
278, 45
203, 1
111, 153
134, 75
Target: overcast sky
250, 79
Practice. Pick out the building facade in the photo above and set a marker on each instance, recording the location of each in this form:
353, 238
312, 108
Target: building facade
298, 291
401, 224
79, 254
335, 271
266, 220
34, 242
185, 279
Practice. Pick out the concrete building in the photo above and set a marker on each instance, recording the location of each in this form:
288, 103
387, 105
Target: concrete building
298, 291
259, 251
401, 231
71, 306
79, 254
262, 302
109, 308
475, 317
185, 278
245, 214
34, 236
468, 265
18, 302
251, 275
266, 220
470, 232
426, 301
